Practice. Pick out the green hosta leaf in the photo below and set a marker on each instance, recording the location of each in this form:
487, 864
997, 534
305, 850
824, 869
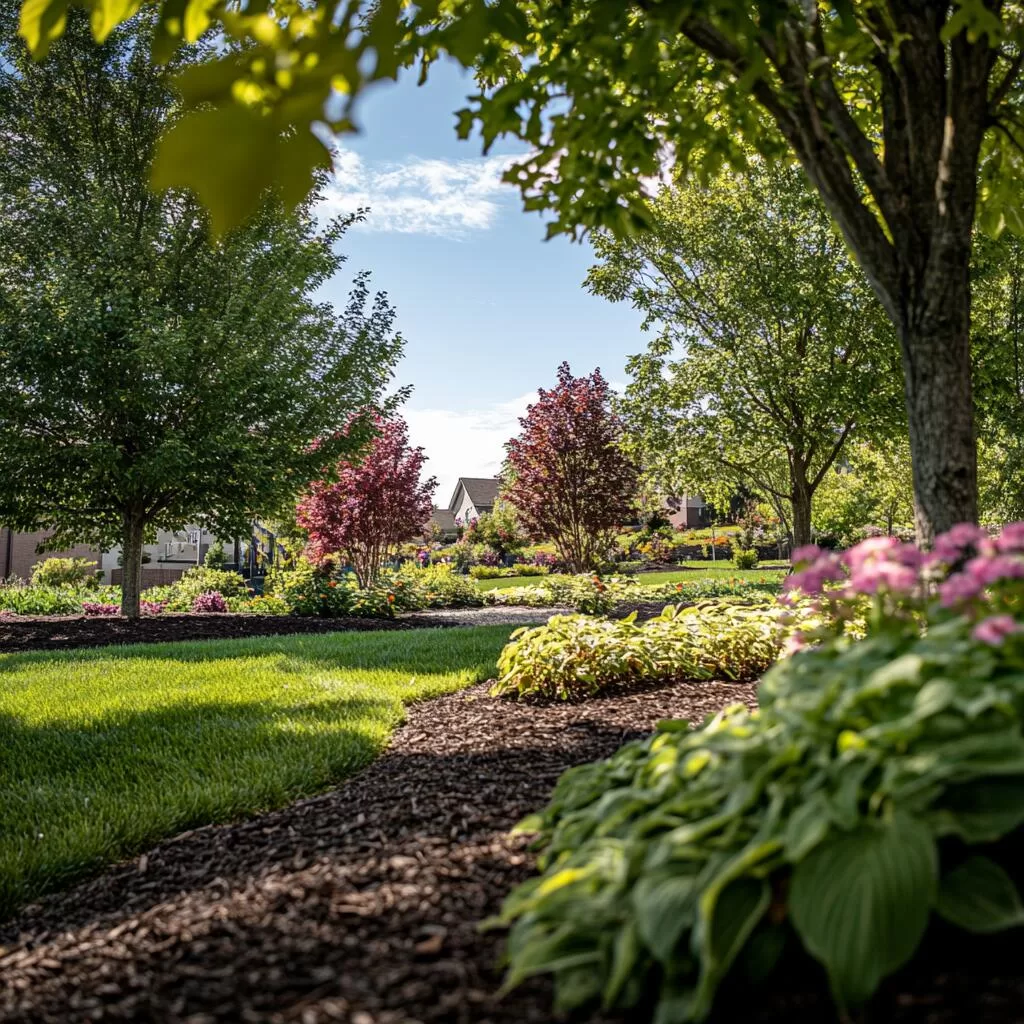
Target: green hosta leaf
980, 896
733, 916
807, 826
861, 902
41, 22
665, 908
982, 811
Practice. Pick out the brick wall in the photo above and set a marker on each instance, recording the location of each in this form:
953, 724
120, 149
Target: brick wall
18, 552
152, 577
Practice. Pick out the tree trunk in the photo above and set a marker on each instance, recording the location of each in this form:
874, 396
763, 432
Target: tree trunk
936, 347
801, 502
131, 563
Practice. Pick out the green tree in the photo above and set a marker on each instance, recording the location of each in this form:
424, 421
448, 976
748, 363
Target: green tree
772, 351
873, 486
905, 115
997, 342
149, 378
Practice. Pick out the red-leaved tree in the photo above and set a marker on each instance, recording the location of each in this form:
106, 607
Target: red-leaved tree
373, 505
565, 473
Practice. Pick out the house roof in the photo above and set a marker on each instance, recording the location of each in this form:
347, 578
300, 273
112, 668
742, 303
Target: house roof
482, 491
444, 518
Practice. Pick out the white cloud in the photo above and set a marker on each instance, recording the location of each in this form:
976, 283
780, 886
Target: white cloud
470, 443
418, 196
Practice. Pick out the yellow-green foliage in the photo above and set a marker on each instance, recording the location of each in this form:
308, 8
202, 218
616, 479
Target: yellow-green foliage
103, 752
579, 655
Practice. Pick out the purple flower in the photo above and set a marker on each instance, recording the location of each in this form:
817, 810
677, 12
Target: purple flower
813, 578
995, 629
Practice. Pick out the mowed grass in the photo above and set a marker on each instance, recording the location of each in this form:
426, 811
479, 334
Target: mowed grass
103, 752
693, 573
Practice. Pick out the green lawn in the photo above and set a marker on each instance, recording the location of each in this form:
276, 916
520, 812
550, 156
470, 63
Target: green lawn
704, 571
103, 752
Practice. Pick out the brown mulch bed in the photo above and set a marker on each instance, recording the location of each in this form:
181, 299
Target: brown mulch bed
39, 633
360, 905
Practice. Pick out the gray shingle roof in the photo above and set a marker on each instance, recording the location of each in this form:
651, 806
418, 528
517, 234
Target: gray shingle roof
482, 491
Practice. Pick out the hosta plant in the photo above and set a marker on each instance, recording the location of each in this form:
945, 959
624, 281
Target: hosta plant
578, 655
872, 795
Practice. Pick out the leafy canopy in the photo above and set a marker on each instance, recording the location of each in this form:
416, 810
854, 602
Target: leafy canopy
601, 89
377, 501
149, 378
771, 349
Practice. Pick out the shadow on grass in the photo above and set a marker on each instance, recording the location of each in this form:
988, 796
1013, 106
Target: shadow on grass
423, 650
76, 796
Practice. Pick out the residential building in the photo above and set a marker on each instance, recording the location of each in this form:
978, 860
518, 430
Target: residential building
473, 497
18, 552
688, 512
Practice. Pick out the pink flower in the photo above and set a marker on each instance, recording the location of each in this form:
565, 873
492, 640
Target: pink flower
959, 588
995, 629
813, 578
1011, 540
952, 545
807, 553
874, 576
990, 570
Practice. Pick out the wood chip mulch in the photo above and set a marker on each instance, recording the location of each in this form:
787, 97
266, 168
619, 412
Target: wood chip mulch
62, 632
360, 905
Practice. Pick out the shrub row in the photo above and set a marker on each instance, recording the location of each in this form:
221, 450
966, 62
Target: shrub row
579, 655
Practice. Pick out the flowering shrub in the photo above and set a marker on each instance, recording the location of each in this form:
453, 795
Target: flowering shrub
309, 589
209, 602
545, 558
181, 595
579, 655
435, 586
261, 604
100, 608
865, 801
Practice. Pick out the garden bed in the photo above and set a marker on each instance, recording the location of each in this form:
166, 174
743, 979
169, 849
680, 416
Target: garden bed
42, 633
360, 905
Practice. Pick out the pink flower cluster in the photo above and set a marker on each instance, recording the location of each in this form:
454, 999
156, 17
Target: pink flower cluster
964, 566
210, 601
100, 608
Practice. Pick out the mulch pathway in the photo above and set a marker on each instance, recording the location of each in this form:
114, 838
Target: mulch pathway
359, 905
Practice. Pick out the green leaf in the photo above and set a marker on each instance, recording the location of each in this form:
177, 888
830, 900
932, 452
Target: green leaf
41, 22
733, 916
808, 826
108, 14
230, 156
979, 896
861, 902
665, 908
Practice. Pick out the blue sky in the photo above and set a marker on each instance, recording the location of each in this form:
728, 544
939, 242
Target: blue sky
487, 308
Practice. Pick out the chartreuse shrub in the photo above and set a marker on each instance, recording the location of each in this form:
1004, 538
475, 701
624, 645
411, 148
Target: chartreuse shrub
597, 594
78, 573
865, 800
579, 655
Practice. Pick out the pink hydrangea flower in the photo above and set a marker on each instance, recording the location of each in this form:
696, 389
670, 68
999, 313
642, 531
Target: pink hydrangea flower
958, 589
995, 629
999, 567
813, 578
874, 576
807, 553
1011, 540
952, 545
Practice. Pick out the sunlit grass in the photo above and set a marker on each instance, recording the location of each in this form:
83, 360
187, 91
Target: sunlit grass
103, 752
